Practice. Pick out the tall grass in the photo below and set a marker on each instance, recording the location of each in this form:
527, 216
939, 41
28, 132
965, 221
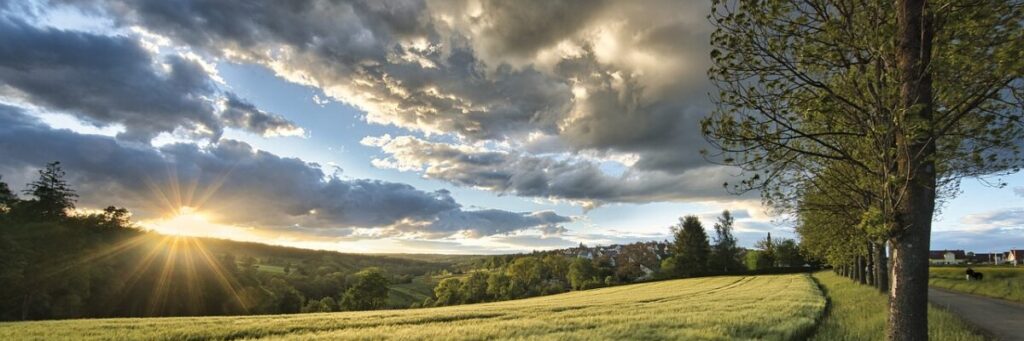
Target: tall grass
776, 307
999, 282
858, 312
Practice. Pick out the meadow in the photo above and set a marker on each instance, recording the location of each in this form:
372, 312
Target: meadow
999, 282
858, 312
776, 307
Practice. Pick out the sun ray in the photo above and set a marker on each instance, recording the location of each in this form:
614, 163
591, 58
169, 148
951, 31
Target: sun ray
193, 292
213, 187
158, 300
136, 273
226, 282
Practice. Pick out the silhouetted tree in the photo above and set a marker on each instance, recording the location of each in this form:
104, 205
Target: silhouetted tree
767, 249
6, 196
54, 197
691, 248
725, 255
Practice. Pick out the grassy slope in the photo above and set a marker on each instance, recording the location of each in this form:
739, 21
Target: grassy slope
1000, 282
857, 312
404, 294
716, 308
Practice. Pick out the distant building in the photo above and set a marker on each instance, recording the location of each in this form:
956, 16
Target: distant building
947, 257
1015, 257
986, 258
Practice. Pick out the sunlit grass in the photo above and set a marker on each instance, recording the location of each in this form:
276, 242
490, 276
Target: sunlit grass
715, 308
858, 312
999, 282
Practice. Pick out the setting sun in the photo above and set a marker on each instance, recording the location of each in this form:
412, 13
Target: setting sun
185, 221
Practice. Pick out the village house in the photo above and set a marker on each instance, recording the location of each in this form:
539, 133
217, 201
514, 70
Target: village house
1015, 257
947, 257
959, 257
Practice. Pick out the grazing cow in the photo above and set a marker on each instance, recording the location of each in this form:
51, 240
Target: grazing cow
974, 275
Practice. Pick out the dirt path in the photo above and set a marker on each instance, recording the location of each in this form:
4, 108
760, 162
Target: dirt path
1003, 319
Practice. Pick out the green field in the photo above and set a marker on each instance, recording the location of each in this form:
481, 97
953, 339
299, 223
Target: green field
417, 290
858, 312
713, 308
999, 282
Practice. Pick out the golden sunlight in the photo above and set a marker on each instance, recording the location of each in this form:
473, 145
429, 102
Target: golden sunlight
185, 221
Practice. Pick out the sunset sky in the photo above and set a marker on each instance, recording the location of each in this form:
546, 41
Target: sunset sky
393, 126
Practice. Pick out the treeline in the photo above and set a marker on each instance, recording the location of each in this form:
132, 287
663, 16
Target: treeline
56, 263
690, 254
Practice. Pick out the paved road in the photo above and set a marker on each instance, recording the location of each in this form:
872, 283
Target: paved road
1003, 319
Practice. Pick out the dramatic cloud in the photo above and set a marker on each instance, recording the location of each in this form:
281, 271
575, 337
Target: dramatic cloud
608, 79
238, 185
521, 174
997, 240
1007, 218
107, 80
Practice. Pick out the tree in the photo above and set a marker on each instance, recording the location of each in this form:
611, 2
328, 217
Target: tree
328, 304
893, 90
285, 298
448, 292
526, 274
725, 255
7, 197
787, 254
767, 249
499, 286
53, 196
370, 291
756, 260
690, 248
634, 262
475, 288
581, 273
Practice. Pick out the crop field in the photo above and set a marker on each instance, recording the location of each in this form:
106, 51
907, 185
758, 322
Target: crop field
776, 307
999, 282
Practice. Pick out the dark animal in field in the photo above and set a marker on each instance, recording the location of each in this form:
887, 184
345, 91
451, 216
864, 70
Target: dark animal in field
974, 275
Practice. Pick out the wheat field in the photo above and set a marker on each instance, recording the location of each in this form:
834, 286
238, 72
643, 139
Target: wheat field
713, 308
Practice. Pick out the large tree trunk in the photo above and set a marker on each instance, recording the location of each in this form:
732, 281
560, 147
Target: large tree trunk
869, 266
860, 270
881, 268
908, 294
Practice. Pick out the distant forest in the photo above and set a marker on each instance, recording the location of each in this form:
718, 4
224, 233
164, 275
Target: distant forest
55, 264
691, 253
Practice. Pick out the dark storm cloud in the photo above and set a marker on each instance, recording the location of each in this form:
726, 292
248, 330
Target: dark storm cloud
244, 115
596, 78
386, 57
522, 28
113, 80
239, 185
536, 176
